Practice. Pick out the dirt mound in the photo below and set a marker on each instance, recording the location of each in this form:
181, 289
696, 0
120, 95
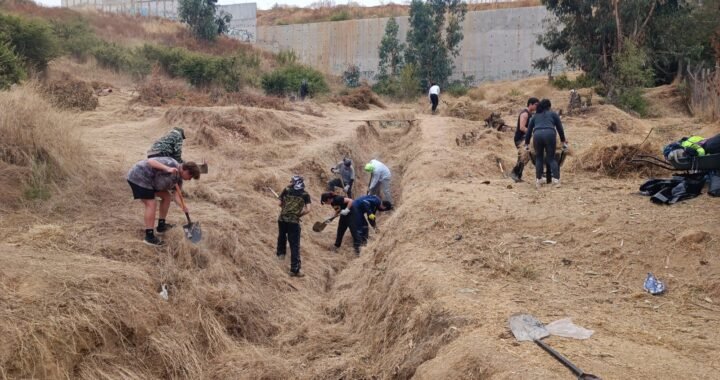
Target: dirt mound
465, 108
361, 98
666, 101
614, 160
71, 93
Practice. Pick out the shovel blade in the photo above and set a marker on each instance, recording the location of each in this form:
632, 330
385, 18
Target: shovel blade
319, 226
193, 232
525, 327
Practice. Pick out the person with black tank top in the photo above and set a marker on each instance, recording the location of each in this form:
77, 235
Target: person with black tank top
520, 131
544, 128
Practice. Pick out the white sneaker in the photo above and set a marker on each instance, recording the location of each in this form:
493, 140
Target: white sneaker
556, 182
538, 183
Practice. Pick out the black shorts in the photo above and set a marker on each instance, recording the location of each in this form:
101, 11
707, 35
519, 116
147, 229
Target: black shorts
141, 192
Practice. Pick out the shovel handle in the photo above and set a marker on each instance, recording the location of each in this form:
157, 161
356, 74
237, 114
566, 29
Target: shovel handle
577, 371
182, 201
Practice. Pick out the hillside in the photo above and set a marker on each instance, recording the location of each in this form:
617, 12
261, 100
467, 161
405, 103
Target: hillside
286, 15
430, 295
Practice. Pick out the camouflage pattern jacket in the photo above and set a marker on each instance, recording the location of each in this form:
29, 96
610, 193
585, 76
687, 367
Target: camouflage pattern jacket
169, 145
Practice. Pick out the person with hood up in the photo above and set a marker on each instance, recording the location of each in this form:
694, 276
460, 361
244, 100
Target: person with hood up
379, 179
294, 203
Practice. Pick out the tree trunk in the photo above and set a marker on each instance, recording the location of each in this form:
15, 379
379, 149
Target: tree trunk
618, 24
679, 74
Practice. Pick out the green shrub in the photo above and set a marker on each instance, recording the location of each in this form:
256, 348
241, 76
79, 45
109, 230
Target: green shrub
340, 16
460, 87
76, 38
632, 100
405, 86
287, 80
11, 69
32, 40
119, 58
564, 83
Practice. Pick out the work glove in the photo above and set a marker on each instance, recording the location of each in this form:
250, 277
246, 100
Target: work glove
371, 217
565, 146
346, 188
345, 212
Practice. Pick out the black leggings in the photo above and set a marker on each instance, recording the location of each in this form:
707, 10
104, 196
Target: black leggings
545, 141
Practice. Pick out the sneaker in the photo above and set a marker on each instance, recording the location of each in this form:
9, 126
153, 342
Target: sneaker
515, 177
296, 274
153, 241
538, 183
556, 182
281, 257
164, 228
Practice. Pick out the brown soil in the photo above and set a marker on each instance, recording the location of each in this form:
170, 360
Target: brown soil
428, 298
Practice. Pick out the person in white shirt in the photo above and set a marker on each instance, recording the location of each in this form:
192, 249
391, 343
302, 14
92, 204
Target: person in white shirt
434, 95
379, 178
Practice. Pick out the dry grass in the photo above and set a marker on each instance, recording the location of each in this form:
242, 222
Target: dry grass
39, 147
614, 160
283, 14
464, 108
71, 93
361, 98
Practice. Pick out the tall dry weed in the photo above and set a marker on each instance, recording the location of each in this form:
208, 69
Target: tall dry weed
39, 148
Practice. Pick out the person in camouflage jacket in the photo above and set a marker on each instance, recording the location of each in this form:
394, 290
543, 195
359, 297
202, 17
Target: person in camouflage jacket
169, 145
294, 203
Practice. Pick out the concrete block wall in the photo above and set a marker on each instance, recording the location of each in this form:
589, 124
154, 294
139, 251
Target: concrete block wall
243, 23
498, 44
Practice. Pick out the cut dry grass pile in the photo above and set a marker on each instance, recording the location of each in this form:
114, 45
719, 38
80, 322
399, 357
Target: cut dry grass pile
38, 149
614, 160
464, 108
159, 91
71, 93
361, 98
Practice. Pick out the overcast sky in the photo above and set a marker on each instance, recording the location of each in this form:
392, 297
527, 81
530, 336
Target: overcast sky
261, 4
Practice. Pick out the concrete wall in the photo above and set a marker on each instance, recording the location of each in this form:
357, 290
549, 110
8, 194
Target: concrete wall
243, 23
498, 44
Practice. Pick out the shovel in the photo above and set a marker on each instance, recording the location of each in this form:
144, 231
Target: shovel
319, 226
525, 327
192, 230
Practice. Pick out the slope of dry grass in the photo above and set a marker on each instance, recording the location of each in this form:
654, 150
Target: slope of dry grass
285, 15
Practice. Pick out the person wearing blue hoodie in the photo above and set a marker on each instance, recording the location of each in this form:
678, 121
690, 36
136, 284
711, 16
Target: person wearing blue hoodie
363, 210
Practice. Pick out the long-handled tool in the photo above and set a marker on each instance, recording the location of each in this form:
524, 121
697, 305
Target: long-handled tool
319, 226
525, 327
274, 193
192, 230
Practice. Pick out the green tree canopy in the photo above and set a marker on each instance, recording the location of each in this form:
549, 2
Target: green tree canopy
202, 17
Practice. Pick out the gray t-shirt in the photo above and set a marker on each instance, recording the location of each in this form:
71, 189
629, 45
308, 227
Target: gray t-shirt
347, 173
143, 175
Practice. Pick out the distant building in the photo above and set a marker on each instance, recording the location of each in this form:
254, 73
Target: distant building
242, 25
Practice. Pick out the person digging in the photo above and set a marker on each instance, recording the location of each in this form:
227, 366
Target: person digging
519, 138
153, 178
346, 177
363, 211
294, 203
543, 129
379, 179
169, 145
342, 207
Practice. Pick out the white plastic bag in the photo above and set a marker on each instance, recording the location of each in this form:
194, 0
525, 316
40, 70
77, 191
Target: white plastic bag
565, 328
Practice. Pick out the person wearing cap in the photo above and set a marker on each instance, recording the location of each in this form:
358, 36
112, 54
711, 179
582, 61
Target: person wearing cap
153, 178
169, 145
342, 206
346, 177
379, 179
363, 210
294, 203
